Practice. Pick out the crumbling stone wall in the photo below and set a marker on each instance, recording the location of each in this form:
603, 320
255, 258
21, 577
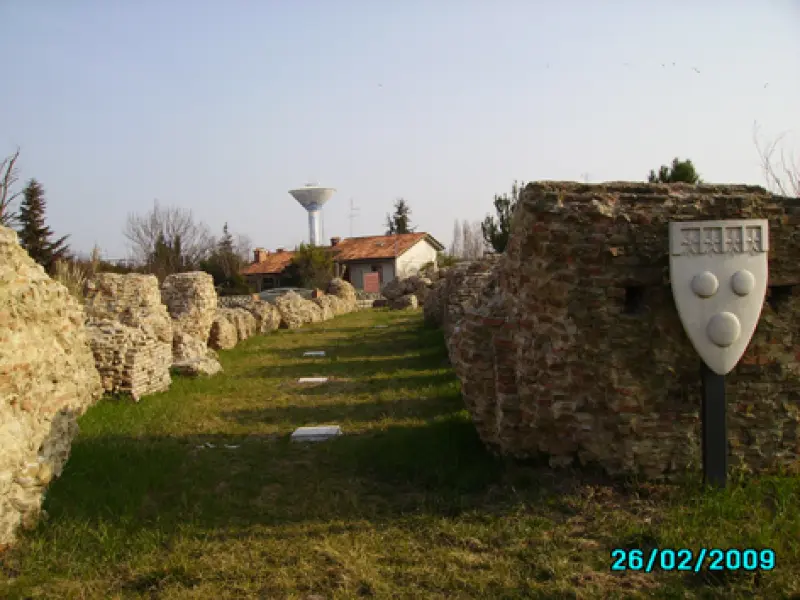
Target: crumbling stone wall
130, 333
399, 291
47, 379
327, 305
456, 288
266, 315
224, 334
191, 301
296, 311
129, 360
575, 349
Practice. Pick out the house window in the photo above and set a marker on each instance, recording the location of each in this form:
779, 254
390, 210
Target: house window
379, 270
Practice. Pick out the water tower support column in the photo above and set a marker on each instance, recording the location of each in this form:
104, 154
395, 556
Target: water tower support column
313, 227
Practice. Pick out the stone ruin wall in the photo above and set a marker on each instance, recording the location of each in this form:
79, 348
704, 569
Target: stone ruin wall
47, 380
130, 332
456, 289
574, 349
191, 302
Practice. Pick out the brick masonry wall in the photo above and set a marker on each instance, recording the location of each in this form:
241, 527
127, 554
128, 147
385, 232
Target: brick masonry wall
130, 333
575, 349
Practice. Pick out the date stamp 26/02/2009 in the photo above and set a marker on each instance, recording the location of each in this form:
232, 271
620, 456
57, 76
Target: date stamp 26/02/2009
684, 559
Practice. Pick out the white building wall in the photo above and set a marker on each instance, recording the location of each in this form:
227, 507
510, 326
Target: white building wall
410, 261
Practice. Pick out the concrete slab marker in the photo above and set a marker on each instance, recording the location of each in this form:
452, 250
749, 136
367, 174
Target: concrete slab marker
318, 433
312, 380
314, 353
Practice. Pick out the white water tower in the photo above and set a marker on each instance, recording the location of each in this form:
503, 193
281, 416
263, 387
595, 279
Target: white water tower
312, 197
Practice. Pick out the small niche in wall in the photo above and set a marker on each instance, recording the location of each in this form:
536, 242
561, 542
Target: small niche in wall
778, 296
634, 300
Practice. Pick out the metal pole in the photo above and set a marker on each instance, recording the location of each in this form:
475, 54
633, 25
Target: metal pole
715, 429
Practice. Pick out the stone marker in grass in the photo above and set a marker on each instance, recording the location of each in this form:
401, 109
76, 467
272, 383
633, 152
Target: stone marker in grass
314, 353
319, 433
312, 380
381, 326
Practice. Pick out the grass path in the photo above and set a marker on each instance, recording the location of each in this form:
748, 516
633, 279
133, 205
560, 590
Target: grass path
407, 504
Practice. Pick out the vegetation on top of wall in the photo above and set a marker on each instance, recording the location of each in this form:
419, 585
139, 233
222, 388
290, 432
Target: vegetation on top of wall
681, 171
496, 230
72, 276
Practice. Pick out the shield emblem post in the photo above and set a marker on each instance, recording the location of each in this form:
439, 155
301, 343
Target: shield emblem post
718, 274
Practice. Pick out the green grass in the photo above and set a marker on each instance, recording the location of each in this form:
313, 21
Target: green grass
407, 504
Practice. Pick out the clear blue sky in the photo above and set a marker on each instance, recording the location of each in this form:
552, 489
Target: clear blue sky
222, 107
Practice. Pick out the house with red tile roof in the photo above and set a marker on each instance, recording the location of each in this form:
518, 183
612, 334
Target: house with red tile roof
389, 256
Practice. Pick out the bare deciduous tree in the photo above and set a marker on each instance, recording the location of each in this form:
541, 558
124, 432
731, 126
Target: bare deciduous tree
243, 246
8, 177
455, 245
473, 244
781, 169
170, 225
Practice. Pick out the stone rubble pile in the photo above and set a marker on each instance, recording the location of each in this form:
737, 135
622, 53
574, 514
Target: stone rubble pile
296, 311
130, 333
327, 305
47, 380
573, 348
399, 292
346, 294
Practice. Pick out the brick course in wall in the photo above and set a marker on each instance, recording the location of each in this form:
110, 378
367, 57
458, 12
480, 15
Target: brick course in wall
575, 349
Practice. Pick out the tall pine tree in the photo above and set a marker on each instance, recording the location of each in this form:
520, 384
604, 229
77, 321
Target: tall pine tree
34, 235
400, 221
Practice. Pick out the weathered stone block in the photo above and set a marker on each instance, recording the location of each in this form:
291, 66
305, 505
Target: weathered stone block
191, 301
130, 332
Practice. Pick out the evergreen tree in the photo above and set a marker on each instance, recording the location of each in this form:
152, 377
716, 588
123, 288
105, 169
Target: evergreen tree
680, 171
400, 221
224, 264
497, 231
34, 235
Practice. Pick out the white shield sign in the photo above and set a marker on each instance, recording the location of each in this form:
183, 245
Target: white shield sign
718, 271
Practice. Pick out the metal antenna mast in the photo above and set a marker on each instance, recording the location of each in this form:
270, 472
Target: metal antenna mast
353, 213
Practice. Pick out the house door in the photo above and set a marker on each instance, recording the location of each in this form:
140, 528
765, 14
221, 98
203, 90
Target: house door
379, 270
371, 282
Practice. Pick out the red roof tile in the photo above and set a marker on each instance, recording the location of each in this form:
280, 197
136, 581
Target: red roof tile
379, 246
274, 264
